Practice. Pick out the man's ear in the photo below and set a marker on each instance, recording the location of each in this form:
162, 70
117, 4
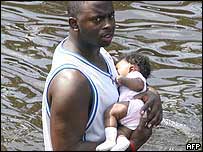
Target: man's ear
73, 23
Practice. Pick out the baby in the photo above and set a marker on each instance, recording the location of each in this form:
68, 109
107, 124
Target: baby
133, 71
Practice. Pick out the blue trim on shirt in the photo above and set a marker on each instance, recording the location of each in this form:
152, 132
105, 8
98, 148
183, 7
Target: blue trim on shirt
94, 105
84, 137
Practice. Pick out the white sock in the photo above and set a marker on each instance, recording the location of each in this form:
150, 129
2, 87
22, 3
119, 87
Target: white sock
122, 144
111, 134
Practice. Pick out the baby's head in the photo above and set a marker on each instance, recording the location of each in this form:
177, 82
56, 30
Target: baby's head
134, 62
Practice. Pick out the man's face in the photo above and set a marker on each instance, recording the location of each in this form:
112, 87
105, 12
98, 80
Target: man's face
96, 23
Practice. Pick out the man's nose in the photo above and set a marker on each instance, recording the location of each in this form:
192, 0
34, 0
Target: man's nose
109, 23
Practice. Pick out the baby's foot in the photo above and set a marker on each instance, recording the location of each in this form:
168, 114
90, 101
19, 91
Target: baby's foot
122, 144
107, 145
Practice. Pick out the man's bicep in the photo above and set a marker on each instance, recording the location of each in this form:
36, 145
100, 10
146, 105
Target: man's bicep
69, 109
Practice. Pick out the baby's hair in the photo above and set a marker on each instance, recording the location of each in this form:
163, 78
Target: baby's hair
141, 60
74, 8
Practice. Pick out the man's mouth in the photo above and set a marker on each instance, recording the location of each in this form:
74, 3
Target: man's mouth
107, 37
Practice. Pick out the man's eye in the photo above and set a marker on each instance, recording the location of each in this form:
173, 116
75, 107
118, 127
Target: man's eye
112, 16
98, 19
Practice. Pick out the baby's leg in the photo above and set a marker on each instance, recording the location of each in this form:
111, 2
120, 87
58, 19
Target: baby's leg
131, 121
112, 115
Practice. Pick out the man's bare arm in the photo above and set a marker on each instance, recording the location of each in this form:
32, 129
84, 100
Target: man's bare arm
70, 93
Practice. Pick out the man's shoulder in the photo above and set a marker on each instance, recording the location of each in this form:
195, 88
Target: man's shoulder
71, 75
69, 79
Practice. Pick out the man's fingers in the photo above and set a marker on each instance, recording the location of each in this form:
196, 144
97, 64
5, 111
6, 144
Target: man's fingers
152, 122
156, 119
149, 109
152, 113
143, 121
145, 107
145, 115
159, 120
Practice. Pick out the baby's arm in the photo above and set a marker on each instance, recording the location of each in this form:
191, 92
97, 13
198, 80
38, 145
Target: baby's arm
135, 84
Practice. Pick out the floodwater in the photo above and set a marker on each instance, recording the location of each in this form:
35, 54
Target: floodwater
169, 32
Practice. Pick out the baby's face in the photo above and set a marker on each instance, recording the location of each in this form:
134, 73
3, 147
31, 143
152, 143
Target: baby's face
123, 67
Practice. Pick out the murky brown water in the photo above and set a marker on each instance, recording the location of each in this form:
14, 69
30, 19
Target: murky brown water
169, 32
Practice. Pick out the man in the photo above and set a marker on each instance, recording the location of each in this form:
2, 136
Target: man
80, 85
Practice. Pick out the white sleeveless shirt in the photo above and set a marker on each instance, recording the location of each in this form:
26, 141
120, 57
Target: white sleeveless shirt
102, 84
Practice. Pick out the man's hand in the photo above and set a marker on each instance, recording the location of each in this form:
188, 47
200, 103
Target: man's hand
151, 115
153, 106
141, 134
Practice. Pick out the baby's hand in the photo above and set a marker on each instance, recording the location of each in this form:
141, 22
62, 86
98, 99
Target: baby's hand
119, 79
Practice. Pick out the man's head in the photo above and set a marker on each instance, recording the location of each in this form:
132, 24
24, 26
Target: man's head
134, 62
92, 22
74, 8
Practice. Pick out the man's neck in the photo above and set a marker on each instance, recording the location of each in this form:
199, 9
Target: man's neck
89, 52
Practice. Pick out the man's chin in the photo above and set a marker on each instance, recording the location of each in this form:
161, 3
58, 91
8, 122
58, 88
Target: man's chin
105, 44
